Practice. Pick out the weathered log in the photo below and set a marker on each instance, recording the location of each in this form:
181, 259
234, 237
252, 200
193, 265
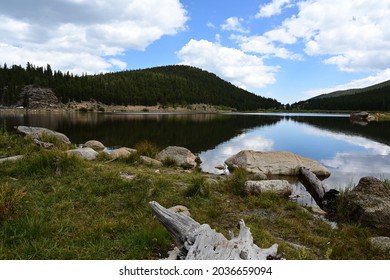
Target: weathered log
200, 242
322, 196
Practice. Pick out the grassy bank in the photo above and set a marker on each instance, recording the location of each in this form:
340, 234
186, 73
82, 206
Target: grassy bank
53, 206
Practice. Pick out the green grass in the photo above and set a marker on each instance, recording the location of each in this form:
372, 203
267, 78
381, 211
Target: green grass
53, 206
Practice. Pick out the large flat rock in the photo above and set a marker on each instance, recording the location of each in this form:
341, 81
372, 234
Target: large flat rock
274, 163
39, 132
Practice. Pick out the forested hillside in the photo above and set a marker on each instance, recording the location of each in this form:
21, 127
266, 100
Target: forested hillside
373, 98
168, 85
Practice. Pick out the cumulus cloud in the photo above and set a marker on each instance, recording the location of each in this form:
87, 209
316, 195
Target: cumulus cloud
231, 64
273, 8
266, 45
353, 34
88, 36
234, 24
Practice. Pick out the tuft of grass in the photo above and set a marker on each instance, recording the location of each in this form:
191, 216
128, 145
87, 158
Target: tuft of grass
169, 162
387, 183
55, 141
10, 201
236, 182
147, 148
12, 144
45, 163
198, 187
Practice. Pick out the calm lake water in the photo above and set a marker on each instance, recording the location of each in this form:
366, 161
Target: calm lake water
350, 151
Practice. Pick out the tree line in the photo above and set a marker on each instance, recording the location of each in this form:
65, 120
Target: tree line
167, 85
372, 99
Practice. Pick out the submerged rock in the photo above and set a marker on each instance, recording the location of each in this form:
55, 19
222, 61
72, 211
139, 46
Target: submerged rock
274, 163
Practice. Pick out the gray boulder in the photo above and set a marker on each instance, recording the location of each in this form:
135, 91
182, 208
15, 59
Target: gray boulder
39, 132
184, 157
274, 163
94, 144
150, 161
282, 187
369, 204
85, 153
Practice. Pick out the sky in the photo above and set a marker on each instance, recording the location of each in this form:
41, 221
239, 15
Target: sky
290, 50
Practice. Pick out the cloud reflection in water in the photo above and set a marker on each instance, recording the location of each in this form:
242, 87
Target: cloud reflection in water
246, 141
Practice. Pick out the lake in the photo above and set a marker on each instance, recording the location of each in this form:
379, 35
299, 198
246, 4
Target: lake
350, 151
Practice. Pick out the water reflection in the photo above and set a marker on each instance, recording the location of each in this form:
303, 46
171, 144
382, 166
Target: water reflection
349, 151
246, 141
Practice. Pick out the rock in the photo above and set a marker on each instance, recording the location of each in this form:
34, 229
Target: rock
85, 153
184, 157
381, 242
44, 145
122, 153
39, 132
282, 187
33, 97
359, 116
150, 161
13, 158
274, 163
180, 209
369, 204
94, 144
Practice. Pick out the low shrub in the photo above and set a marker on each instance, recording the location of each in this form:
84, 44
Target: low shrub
147, 148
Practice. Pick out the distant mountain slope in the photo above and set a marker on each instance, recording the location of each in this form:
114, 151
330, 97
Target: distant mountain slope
353, 91
372, 98
167, 85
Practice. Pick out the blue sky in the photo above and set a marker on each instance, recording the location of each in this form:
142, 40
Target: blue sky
290, 50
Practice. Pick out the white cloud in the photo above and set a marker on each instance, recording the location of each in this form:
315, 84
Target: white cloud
353, 34
271, 9
379, 77
234, 24
231, 64
265, 45
89, 34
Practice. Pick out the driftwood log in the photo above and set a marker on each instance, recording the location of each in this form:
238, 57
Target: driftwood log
324, 198
200, 242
